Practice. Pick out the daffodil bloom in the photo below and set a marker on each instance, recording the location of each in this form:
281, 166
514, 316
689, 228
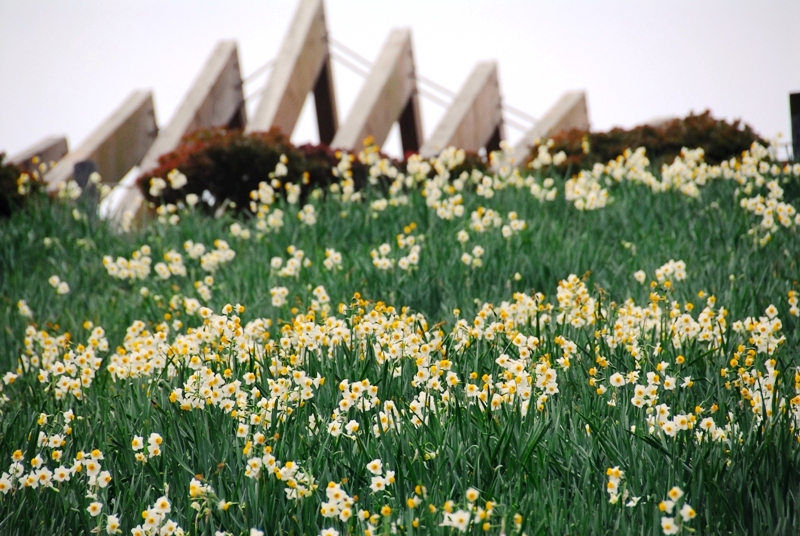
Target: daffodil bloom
669, 526
675, 493
458, 520
95, 508
375, 467
377, 484
687, 512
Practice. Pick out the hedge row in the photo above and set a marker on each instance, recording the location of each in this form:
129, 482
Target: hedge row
228, 164
719, 139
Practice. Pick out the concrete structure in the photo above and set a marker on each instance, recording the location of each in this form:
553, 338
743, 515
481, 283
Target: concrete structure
389, 94
128, 143
116, 145
474, 119
49, 151
302, 65
570, 111
658, 121
215, 99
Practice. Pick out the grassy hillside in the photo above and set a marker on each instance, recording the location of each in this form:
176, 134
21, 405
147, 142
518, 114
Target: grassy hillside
511, 353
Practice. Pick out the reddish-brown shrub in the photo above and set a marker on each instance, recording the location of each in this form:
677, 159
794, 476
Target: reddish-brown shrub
719, 139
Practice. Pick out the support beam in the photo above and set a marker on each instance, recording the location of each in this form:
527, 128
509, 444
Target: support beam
570, 111
215, 99
325, 104
302, 65
116, 145
410, 124
48, 151
474, 119
389, 94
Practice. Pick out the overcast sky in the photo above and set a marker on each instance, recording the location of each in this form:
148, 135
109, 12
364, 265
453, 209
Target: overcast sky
66, 64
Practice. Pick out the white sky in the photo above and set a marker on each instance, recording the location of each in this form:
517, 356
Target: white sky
67, 64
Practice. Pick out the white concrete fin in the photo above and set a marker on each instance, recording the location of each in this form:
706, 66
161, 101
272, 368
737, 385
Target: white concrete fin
116, 145
474, 119
570, 111
114, 205
215, 99
49, 151
388, 95
302, 65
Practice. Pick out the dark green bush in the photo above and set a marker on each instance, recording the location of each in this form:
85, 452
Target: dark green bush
10, 197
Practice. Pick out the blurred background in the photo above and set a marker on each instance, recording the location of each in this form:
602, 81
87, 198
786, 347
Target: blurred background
66, 65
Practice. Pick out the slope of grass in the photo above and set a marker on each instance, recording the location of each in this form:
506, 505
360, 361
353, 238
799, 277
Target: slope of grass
542, 463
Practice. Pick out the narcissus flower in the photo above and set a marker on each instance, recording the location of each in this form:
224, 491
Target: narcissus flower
95, 508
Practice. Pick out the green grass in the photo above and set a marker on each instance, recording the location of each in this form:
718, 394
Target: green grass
544, 466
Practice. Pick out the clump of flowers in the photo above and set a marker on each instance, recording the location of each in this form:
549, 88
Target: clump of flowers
321, 301
69, 190
411, 260
154, 442
482, 219
514, 225
279, 295
156, 521
339, 503
615, 476
675, 501
221, 254
584, 190
172, 267
576, 304
307, 215
792, 298
546, 191
380, 258
204, 498
294, 264
239, 231
471, 514
473, 258
544, 158
24, 310
137, 267
64, 371
672, 269
380, 478
359, 396
333, 260
62, 287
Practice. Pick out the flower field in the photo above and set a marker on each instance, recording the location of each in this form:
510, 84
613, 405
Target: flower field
616, 351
